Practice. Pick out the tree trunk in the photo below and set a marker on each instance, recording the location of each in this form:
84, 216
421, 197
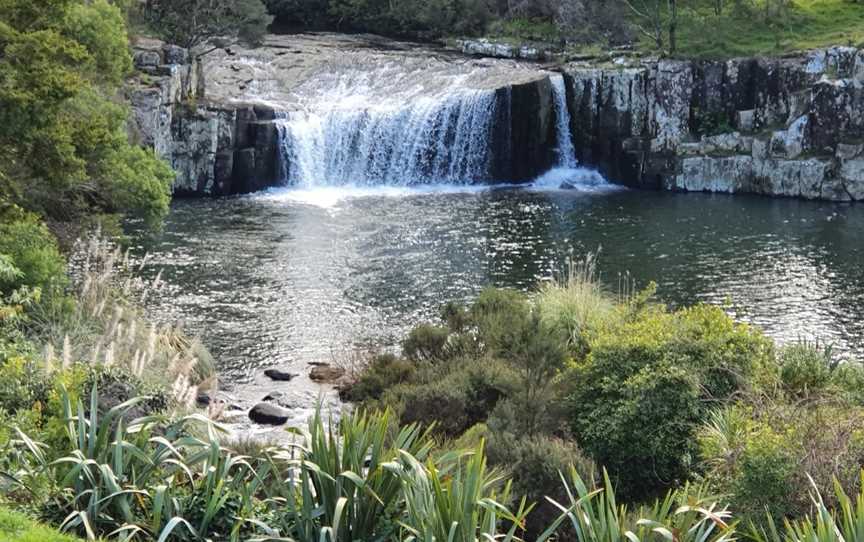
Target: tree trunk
673, 25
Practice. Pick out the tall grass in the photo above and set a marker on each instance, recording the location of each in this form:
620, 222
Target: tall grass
576, 304
105, 325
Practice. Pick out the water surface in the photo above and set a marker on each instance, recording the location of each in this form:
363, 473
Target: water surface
289, 277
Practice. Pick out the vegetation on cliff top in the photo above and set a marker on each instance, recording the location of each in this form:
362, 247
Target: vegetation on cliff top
692, 28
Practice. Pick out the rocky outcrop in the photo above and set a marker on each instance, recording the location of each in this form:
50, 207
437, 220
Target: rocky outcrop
216, 148
784, 127
210, 122
498, 49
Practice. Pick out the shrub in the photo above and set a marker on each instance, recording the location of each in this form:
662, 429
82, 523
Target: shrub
440, 404
638, 397
426, 343
535, 465
384, 372
763, 454
34, 253
805, 368
496, 313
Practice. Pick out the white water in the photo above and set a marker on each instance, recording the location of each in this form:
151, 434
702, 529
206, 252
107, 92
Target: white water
360, 129
566, 152
567, 173
432, 139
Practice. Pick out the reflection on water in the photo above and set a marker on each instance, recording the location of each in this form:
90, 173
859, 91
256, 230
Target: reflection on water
285, 278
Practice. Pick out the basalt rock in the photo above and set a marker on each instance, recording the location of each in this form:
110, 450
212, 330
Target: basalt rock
268, 414
773, 126
279, 375
326, 373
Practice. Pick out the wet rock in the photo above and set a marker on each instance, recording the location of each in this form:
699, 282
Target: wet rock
274, 397
279, 375
204, 399
268, 414
326, 373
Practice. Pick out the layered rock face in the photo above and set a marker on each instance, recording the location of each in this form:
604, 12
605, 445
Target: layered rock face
218, 121
783, 127
215, 148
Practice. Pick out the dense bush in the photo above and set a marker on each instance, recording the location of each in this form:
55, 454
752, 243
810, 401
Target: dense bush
764, 453
64, 150
415, 18
426, 343
535, 465
34, 253
644, 387
382, 373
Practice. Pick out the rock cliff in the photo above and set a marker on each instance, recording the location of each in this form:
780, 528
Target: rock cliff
216, 121
215, 148
791, 126
783, 127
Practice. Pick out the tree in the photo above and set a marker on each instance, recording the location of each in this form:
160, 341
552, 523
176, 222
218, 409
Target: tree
63, 145
190, 23
658, 17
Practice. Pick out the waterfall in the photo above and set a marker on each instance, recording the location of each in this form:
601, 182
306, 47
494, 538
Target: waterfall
566, 152
443, 138
567, 173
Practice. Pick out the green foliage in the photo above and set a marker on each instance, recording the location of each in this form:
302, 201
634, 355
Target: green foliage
15, 527
805, 368
461, 503
762, 27
346, 489
535, 465
190, 23
765, 455
577, 306
99, 26
440, 404
845, 522
426, 343
63, 141
384, 372
34, 253
685, 515
639, 395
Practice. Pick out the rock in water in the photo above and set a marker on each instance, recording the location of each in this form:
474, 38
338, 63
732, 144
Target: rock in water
279, 375
326, 373
273, 396
268, 414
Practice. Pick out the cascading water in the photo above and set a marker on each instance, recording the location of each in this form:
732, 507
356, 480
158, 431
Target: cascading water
566, 152
568, 173
433, 139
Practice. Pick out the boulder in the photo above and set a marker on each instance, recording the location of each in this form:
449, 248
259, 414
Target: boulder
268, 414
326, 373
279, 375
